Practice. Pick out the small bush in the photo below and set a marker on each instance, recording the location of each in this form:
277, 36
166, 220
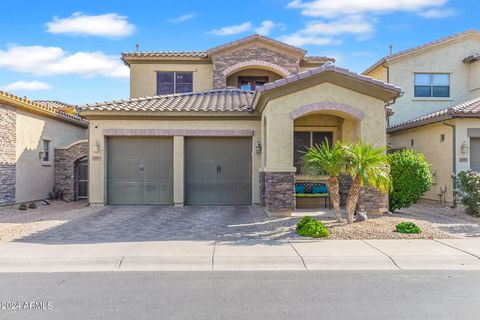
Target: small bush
468, 183
411, 178
408, 227
309, 227
23, 206
32, 205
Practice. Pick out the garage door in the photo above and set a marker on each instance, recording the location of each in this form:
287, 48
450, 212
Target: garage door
475, 154
218, 171
140, 170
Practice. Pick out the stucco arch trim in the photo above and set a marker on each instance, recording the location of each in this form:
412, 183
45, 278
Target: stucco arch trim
259, 64
327, 106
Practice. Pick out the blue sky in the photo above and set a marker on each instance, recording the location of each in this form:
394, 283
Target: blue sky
70, 50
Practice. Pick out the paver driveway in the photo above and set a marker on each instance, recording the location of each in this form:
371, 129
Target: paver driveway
151, 223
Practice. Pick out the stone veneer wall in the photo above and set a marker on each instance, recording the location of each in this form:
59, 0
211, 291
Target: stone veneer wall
8, 136
370, 199
279, 191
262, 187
254, 52
64, 163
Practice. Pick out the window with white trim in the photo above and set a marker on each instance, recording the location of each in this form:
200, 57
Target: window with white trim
46, 151
432, 85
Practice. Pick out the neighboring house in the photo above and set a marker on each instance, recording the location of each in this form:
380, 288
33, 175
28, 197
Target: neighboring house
433, 76
37, 143
227, 126
438, 113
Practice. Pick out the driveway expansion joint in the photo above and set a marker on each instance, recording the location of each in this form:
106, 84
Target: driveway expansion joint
298, 253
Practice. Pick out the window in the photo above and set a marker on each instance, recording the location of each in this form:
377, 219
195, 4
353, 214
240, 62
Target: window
302, 140
251, 83
442, 137
174, 82
432, 85
46, 151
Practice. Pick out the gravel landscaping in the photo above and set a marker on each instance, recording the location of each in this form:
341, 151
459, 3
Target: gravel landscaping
16, 224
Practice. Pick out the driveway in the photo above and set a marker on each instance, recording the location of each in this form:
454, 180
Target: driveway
152, 223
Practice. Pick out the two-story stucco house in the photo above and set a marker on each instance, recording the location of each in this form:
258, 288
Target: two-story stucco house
226, 126
438, 113
40, 146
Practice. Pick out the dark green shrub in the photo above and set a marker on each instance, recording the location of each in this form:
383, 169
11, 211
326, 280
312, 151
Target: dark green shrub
411, 178
408, 227
23, 206
309, 227
32, 205
468, 183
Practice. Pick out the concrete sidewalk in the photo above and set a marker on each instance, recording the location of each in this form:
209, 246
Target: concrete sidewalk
453, 254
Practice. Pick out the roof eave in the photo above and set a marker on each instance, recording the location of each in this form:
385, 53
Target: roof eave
420, 123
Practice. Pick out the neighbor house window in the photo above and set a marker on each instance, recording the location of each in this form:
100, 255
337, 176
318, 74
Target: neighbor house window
303, 140
174, 82
247, 83
46, 151
432, 85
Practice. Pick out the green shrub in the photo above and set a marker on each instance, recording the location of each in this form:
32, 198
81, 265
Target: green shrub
408, 227
309, 227
468, 183
23, 206
411, 178
32, 205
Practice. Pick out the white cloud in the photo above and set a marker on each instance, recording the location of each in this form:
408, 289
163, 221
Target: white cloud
350, 24
27, 86
231, 30
298, 39
43, 61
438, 13
331, 9
265, 28
183, 18
109, 25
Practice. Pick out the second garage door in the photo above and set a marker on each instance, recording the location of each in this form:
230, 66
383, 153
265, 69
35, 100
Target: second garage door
140, 170
218, 171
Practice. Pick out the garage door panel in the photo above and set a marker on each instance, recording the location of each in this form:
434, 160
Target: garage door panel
218, 171
128, 183
475, 154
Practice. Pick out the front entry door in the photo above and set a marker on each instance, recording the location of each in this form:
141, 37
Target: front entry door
218, 171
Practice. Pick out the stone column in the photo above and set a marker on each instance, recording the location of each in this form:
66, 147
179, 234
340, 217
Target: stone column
178, 170
279, 191
8, 140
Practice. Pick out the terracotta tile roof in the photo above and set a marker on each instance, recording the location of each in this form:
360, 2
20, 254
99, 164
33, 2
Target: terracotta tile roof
55, 104
421, 47
160, 54
317, 58
8, 98
326, 68
222, 100
472, 58
469, 108
253, 37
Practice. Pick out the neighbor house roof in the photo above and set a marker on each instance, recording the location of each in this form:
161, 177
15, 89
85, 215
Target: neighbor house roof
466, 109
193, 54
222, 100
40, 108
420, 47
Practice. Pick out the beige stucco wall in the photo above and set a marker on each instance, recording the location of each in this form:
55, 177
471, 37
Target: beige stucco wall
380, 73
98, 160
475, 80
143, 77
280, 125
461, 127
34, 179
438, 154
437, 59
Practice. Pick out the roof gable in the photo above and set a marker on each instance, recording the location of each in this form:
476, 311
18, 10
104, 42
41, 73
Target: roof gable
256, 38
424, 46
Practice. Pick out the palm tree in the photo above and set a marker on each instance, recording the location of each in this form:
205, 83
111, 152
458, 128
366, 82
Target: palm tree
368, 166
322, 159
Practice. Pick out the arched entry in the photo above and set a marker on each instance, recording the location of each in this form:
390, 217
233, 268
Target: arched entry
81, 178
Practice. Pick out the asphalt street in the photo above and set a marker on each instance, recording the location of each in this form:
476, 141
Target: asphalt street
242, 295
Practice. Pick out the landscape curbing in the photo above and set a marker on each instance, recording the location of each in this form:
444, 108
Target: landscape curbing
451, 254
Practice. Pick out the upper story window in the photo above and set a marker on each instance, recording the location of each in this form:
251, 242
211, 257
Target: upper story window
174, 82
432, 85
247, 83
46, 151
